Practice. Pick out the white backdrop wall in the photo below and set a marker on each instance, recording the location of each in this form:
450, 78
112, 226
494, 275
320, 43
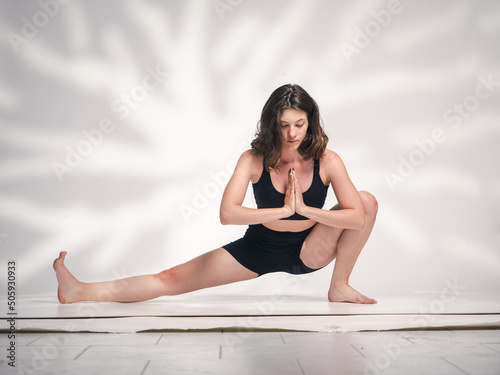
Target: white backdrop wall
120, 122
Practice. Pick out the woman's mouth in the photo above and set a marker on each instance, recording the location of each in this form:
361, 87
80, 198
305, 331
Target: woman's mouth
293, 141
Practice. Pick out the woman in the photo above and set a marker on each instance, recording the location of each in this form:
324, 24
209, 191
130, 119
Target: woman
290, 170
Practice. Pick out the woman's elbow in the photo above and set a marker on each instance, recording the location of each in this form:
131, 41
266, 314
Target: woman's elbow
369, 209
359, 221
224, 218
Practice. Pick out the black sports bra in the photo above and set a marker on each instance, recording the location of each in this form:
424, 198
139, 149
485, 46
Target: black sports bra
266, 196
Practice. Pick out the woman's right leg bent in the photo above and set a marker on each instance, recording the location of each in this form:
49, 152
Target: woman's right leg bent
214, 268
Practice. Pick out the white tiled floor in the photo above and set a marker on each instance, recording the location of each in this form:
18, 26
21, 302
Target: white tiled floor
398, 352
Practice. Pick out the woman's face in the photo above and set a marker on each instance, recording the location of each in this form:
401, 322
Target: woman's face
293, 128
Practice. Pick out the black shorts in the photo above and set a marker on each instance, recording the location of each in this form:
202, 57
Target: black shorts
263, 250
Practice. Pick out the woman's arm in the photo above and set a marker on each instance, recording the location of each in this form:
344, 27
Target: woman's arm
351, 213
231, 209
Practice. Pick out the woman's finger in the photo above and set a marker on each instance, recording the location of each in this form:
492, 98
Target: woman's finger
295, 182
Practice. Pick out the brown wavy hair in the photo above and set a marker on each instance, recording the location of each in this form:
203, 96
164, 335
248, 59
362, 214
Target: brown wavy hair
268, 138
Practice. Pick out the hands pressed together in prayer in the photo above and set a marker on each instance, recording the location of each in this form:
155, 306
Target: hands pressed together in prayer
293, 195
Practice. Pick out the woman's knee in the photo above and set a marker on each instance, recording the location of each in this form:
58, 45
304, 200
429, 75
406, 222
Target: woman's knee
170, 279
370, 205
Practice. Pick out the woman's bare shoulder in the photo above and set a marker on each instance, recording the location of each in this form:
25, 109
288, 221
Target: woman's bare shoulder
331, 166
251, 163
330, 157
250, 159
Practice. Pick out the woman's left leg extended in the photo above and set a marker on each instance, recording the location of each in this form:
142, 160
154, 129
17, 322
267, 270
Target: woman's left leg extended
217, 267
325, 244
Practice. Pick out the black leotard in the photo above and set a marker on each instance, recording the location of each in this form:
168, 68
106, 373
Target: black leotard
266, 195
263, 250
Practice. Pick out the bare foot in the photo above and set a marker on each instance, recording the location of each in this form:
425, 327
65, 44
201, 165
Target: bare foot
346, 293
70, 288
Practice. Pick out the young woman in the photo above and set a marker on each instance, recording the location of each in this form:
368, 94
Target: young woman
290, 170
